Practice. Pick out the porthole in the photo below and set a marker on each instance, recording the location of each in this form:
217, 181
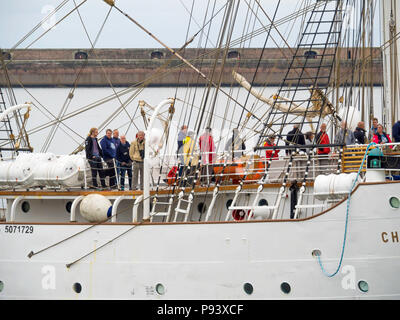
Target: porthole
77, 287
263, 202
394, 202
25, 206
160, 289
1, 286
201, 207
248, 288
229, 203
285, 287
68, 206
316, 253
363, 286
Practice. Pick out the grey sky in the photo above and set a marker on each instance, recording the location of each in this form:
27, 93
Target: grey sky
167, 19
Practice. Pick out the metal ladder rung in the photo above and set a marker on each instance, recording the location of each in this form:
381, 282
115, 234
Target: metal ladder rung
161, 214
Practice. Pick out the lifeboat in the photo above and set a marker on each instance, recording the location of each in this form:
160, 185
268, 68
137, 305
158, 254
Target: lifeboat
235, 170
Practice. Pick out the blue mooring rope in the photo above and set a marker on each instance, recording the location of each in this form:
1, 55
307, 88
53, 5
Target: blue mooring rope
347, 218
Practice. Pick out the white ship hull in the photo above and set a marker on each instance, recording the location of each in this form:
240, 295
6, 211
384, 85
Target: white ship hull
211, 260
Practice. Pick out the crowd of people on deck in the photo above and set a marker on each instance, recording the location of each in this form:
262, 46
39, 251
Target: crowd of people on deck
122, 158
119, 156
344, 136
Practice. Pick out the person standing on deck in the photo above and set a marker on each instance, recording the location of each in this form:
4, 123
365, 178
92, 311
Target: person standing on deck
360, 132
323, 138
125, 162
190, 156
136, 153
235, 145
116, 141
396, 131
345, 135
109, 152
309, 136
381, 137
295, 136
373, 129
94, 155
181, 137
270, 154
207, 152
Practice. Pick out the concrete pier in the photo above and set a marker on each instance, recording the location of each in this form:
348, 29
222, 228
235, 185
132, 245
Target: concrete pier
127, 67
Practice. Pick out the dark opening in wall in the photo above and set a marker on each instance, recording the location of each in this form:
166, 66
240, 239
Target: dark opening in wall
6, 55
233, 55
310, 54
81, 55
157, 55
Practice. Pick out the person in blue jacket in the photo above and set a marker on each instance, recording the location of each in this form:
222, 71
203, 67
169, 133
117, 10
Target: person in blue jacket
117, 141
109, 153
125, 162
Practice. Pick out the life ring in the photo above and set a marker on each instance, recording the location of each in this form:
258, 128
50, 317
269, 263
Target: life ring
239, 215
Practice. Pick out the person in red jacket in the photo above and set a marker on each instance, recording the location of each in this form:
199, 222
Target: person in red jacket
323, 138
381, 137
207, 151
270, 153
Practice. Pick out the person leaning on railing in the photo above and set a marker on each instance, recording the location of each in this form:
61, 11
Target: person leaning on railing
381, 137
94, 155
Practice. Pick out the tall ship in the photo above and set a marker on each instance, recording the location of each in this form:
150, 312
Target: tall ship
266, 196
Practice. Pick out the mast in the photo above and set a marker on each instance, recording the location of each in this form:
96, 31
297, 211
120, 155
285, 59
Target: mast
390, 14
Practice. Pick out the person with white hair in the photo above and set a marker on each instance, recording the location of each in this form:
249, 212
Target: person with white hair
345, 135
